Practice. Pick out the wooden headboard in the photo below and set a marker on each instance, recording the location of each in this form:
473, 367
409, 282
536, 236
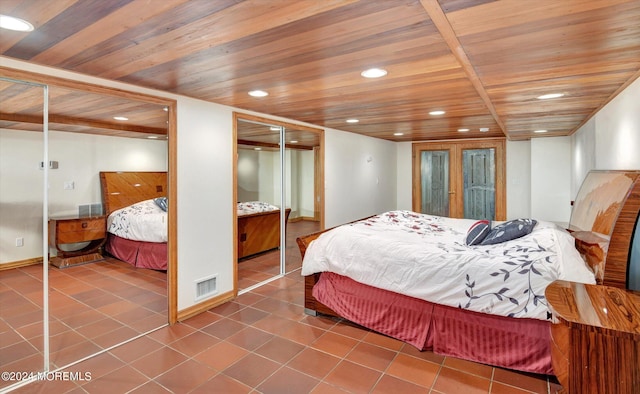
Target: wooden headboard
603, 220
121, 189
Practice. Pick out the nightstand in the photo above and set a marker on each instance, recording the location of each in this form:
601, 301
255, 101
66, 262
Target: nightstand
596, 343
74, 229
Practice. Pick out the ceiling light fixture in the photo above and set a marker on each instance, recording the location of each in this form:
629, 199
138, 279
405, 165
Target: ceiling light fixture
436, 113
293, 142
120, 118
398, 134
257, 148
374, 73
463, 130
153, 137
165, 109
274, 128
484, 129
352, 120
550, 96
258, 93
15, 24
540, 131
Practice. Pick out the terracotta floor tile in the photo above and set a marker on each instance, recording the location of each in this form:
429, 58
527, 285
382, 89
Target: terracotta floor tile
249, 298
136, 349
314, 362
119, 381
273, 324
222, 355
454, 381
222, 384
392, 385
350, 330
248, 315
423, 354
227, 309
531, 382
150, 387
371, 356
353, 377
326, 388
279, 349
202, 320
224, 328
194, 343
168, 334
158, 362
301, 333
481, 370
115, 337
335, 344
252, 370
98, 366
287, 380
74, 353
501, 388
383, 341
414, 370
250, 338
185, 377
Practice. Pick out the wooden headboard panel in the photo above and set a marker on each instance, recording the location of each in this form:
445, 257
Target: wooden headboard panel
121, 189
602, 221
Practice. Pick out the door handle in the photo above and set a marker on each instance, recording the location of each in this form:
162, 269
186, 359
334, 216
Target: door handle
452, 192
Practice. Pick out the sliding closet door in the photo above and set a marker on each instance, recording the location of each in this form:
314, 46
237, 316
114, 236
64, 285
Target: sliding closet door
22, 233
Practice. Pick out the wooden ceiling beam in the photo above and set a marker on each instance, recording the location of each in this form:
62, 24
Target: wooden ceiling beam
439, 19
72, 121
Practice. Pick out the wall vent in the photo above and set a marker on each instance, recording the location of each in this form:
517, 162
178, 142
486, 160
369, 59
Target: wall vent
90, 210
206, 287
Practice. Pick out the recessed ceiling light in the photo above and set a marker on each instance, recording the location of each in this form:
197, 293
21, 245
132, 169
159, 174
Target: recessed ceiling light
398, 134
352, 120
258, 93
16, 24
540, 131
550, 96
374, 73
257, 148
120, 118
436, 113
165, 109
484, 129
293, 142
152, 137
463, 130
274, 128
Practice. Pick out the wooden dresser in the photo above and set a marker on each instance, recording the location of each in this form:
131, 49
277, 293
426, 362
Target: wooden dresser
72, 230
596, 342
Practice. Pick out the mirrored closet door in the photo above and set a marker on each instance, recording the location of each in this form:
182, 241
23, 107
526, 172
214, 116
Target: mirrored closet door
54, 142
22, 208
278, 196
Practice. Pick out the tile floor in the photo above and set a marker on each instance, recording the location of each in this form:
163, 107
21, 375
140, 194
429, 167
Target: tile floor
262, 342
91, 307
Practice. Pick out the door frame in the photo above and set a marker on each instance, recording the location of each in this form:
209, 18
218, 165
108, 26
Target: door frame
455, 148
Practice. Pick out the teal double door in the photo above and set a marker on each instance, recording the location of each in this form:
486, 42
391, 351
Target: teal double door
460, 179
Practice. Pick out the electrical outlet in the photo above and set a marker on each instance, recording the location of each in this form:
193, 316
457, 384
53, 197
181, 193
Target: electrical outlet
19, 241
69, 185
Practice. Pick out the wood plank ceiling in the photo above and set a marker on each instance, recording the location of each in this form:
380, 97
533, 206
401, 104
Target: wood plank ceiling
483, 62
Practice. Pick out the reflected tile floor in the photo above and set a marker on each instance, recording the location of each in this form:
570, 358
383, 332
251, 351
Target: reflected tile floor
91, 307
262, 342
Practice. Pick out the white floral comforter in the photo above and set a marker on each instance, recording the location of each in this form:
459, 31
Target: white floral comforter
250, 207
142, 221
425, 256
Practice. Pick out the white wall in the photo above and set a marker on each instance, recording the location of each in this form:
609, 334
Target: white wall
404, 178
611, 139
80, 158
551, 179
518, 179
360, 176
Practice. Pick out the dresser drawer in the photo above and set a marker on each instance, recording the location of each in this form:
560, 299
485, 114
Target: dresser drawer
79, 230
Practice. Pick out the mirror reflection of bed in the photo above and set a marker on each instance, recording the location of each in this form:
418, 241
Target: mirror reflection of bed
259, 193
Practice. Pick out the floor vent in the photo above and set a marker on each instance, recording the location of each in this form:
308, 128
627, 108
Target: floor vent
206, 287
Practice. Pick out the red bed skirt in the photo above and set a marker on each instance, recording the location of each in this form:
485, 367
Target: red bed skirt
519, 344
140, 254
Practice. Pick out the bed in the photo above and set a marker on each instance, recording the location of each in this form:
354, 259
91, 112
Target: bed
478, 325
136, 220
258, 227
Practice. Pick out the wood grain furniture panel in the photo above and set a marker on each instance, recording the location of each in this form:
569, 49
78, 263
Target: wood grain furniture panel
597, 339
72, 230
259, 232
